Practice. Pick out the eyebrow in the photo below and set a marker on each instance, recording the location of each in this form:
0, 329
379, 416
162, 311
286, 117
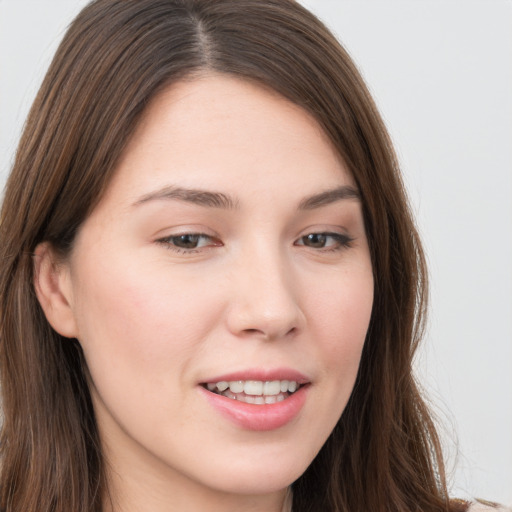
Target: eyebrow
199, 197
328, 197
219, 200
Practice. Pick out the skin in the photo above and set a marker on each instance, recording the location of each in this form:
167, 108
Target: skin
156, 320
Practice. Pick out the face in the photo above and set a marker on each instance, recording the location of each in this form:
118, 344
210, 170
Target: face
229, 248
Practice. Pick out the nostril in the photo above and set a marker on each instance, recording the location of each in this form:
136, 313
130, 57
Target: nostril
270, 335
256, 333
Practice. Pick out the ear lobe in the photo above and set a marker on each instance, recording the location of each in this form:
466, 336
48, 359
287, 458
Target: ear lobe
53, 289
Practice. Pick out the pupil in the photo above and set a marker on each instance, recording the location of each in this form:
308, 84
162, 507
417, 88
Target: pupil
316, 240
186, 241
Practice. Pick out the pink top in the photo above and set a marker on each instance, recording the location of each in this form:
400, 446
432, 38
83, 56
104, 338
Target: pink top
483, 507
476, 506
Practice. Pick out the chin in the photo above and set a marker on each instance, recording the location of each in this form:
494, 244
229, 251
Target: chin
260, 476
257, 482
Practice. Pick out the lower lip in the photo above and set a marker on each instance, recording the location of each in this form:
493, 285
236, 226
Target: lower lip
258, 417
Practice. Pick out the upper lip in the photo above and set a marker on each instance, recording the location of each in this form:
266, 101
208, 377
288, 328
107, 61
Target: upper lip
261, 375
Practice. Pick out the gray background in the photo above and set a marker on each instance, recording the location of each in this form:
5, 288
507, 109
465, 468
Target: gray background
441, 72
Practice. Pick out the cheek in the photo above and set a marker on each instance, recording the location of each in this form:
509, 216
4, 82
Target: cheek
340, 317
140, 322
342, 311
141, 334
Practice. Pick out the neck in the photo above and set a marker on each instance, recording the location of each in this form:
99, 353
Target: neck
137, 483
128, 493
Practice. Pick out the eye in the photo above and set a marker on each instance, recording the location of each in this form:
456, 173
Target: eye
326, 241
188, 242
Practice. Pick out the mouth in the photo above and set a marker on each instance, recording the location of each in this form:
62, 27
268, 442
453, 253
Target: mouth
255, 392
258, 400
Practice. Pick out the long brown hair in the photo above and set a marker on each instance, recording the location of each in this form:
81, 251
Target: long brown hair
116, 56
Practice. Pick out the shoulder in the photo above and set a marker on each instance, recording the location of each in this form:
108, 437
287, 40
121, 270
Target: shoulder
487, 506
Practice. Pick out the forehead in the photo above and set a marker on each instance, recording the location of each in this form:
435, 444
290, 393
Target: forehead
219, 131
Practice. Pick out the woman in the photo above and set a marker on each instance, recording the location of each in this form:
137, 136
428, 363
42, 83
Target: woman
211, 285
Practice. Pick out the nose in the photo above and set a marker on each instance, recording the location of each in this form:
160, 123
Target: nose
264, 298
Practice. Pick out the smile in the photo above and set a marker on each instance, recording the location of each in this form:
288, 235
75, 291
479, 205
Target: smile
255, 391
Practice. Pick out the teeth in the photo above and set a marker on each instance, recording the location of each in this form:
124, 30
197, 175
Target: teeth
255, 399
292, 386
222, 385
256, 388
271, 388
236, 386
253, 387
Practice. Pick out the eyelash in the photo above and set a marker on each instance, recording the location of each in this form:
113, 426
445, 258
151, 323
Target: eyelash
170, 243
341, 242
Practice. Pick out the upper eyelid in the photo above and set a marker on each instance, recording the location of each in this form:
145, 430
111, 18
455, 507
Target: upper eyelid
324, 231
209, 235
170, 233
342, 238
185, 233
